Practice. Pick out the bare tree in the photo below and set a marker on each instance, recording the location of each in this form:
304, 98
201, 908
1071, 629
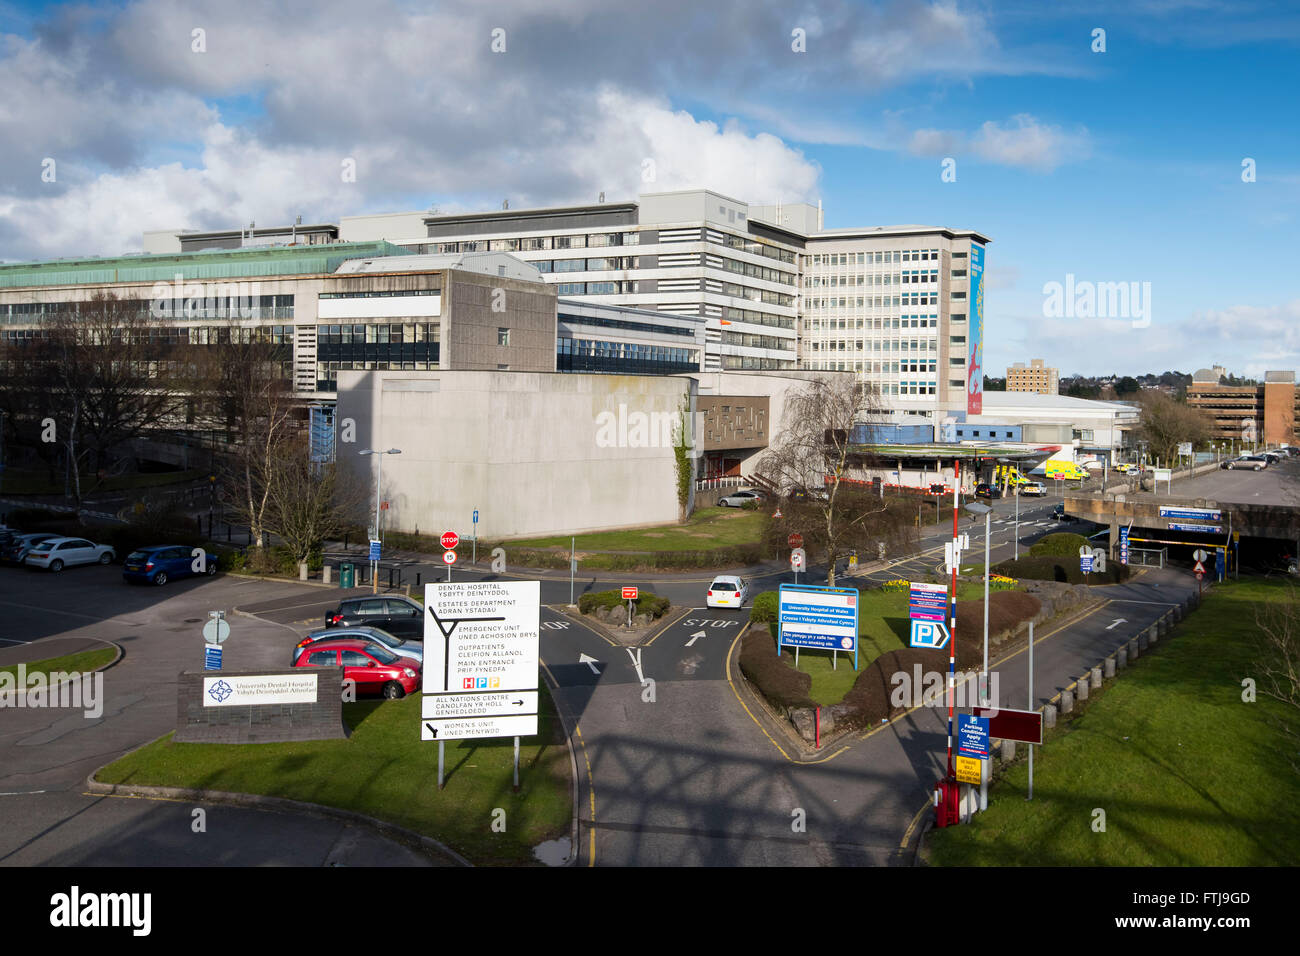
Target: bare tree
811, 461
1278, 657
105, 377
240, 389
308, 501
1166, 423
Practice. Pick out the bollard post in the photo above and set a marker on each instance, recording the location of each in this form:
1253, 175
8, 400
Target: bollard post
1109, 664
1121, 658
325, 574
1008, 750
1132, 648
1049, 716
1095, 675
302, 570
1081, 687
1067, 701
1153, 635
1142, 641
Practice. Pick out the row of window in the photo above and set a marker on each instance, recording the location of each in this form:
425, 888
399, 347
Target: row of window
876, 322
625, 324
594, 288
759, 248
401, 294
377, 334
749, 362
169, 335
757, 341
875, 345
758, 272
327, 373
758, 318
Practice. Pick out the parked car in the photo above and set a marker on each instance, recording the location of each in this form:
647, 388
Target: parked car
158, 564
738, 498
1035, 488
399, 616
375, 635
807, 494
985, 490
727, 590
17, 547
1058, 513
1252, 462
55, 554
1128, 467
372, 667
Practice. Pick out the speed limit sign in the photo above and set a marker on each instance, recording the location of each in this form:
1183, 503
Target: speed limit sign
449, 557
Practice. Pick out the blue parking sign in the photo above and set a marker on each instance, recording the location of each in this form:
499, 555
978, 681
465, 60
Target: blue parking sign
374, 550
931, 634
972, 735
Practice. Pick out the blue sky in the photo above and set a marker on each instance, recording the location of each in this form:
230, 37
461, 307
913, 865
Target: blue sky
1115, 166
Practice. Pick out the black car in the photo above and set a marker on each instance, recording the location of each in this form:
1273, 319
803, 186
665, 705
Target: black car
1058, 514
985, 490
398, 616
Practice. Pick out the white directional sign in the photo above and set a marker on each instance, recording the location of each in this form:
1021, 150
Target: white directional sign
480, 649
216, 630
1200, 554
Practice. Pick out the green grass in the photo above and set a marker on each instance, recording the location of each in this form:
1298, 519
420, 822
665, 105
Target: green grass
384, 770
82, 663
706, 529
1187, 773
883, 626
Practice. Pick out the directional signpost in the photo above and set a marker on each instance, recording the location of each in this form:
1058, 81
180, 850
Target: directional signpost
215, 633
798, 561
480, 662
927, 607
630, 596
1123, 545
822, 617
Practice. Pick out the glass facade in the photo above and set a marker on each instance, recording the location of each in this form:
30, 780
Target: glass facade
593, 355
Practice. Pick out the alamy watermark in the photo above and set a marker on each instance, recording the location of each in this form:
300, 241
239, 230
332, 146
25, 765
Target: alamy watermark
624, 429
61, 689
179, 299
930, 689
1098, 300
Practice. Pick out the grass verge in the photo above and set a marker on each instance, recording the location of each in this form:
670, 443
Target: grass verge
82, 663
1187, 773
708, 528
384, 770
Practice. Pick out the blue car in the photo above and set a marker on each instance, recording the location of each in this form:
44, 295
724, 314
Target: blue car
160, 563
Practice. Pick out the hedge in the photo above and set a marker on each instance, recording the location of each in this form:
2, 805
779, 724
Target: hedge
646, 603
1046, 568
766, 607
1060, 545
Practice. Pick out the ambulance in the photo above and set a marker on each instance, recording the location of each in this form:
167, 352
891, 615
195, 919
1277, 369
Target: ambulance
1064, 469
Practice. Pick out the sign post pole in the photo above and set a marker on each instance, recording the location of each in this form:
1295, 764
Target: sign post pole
952, 643
572, 564
516, 765
474, 555
1031, 707
442, 744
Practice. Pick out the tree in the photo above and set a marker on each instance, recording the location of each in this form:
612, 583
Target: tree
1165, 423
813, 458
240, 389
103, 374
1127, 385
307, 502
1278, 654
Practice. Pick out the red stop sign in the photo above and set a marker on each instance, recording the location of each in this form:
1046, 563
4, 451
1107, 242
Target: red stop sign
449, 539
795, 540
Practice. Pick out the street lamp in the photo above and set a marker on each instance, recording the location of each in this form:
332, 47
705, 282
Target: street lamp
978, 508
1015, 491
379, 455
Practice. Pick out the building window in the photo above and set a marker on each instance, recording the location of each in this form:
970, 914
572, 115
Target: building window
503, 336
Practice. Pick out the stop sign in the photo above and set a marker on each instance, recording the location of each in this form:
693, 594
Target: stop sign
795, 540
450, 539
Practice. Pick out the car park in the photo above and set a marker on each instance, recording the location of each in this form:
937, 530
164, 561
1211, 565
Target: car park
741, 498
375, 635
399, 616
158, 564
727, 590
55, 554
17, 546
373, 668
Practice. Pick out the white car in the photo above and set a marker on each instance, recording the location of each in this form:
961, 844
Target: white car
738, 498
727, 590
59, 553
1033, 488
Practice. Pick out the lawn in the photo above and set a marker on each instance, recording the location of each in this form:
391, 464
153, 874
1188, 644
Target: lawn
883, 626
82, 663
1188, 774
706, 529
385, 770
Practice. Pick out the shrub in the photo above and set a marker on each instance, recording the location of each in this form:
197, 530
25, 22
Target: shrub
1064, 569
646, 603
231, 561
780, 684
766, 607
1062, 544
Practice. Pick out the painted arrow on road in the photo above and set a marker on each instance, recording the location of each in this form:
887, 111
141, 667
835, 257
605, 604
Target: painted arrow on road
636, 663
1118, 622
694, 637
590, 662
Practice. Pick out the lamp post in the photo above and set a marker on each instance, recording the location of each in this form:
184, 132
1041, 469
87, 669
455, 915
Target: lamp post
978, 508
379, 479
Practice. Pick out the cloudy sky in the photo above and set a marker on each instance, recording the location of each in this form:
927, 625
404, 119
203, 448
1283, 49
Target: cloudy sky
1115, 165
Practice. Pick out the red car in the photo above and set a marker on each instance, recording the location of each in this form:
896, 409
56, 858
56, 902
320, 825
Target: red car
374, 669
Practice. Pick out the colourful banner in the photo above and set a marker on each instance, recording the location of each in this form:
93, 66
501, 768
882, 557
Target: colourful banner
975, 321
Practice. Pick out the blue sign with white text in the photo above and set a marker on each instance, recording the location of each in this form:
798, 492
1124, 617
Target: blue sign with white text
1085, 563
212, 657
930, 634
972, 735
374, 550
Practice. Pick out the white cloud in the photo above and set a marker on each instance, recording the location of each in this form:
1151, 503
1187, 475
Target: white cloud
1022, 141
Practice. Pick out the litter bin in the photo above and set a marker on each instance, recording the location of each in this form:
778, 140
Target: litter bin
347, 574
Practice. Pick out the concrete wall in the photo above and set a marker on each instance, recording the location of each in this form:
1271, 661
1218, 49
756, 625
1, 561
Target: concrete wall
535, 453
470, 324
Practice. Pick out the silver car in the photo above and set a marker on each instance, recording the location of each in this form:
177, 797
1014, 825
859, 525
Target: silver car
59, 553
402, 648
